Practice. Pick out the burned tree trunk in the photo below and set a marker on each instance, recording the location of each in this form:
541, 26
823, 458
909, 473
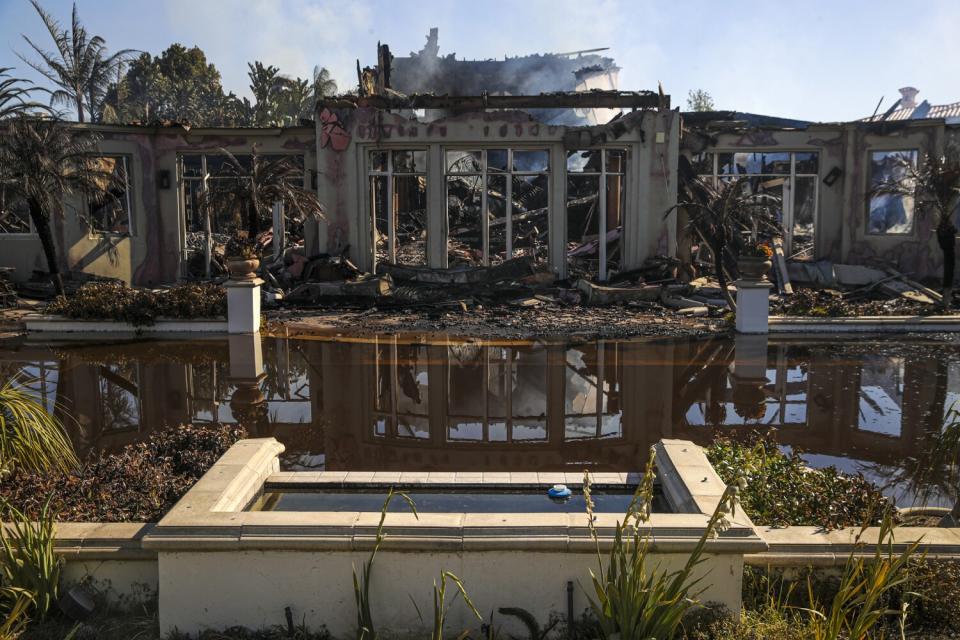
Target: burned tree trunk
721, 274
946, 238
42, 225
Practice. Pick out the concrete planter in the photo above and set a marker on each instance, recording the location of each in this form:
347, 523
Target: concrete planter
221, 565
39, 323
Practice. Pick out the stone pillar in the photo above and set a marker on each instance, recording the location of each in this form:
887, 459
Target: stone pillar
243, 305
753, 306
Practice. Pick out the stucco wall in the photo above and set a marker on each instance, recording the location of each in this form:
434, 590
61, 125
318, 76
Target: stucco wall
252, 588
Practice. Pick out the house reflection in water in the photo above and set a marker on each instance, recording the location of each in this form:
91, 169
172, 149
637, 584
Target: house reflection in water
394, 404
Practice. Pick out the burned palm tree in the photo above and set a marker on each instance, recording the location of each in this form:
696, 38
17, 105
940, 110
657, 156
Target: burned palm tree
42, 162
79, 65
14, 95
934, 185
247, 190
723, 214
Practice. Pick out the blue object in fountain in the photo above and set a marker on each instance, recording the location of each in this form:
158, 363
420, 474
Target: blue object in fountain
559, 491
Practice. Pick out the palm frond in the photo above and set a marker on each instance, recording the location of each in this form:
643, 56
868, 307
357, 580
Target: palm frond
30, 437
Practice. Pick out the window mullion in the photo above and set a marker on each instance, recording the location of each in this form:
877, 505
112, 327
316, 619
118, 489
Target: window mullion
391, 215
484, 220
602, 227
508, 204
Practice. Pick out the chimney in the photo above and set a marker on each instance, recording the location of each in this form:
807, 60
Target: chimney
909, 97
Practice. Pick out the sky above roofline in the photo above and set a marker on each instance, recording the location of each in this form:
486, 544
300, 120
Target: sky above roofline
816, 60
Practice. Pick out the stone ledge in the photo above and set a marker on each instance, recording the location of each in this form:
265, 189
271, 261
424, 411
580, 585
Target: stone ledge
803, 546
102, 541
865, 324
55, 324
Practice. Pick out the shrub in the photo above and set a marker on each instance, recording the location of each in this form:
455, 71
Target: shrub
139, 307
140, 483
781, 490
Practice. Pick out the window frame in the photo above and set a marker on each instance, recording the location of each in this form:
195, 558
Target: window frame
369, 173
484, 172
787, 209
912, 233
31, 229
602, 175
131, 232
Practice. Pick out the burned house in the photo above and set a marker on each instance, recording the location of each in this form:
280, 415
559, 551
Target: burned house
151, 232
427, 71
823, 174
489, 182
537, 156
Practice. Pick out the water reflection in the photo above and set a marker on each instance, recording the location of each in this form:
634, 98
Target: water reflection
393, 404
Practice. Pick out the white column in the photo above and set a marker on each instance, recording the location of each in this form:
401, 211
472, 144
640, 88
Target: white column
243, 305
753, 306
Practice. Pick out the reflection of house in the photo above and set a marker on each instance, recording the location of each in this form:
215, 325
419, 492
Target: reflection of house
395, 405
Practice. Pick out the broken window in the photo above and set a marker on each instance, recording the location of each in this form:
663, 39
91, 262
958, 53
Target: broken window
497, 205
398, 201
193, 168
112, 211
595, 202
14, 214
791, 176
891, 213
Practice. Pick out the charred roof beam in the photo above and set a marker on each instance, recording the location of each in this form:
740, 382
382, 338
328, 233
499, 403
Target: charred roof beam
579, 100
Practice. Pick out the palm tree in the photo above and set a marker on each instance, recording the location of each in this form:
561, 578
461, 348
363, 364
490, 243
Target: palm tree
266, 85
296, 100
934, 185
323, 84
41, 163
723, 213
13, 95
249, 193
79, 65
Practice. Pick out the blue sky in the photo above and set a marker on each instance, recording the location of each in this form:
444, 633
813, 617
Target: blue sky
814, 59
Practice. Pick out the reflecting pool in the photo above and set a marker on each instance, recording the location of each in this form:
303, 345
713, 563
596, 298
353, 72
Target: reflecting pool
874, 405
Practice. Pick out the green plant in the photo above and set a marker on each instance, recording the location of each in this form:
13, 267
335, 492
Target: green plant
248, 191
630, 600
861, 602
14, 607
361, 582
30, 438
782, 490
440, 607
27, 559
